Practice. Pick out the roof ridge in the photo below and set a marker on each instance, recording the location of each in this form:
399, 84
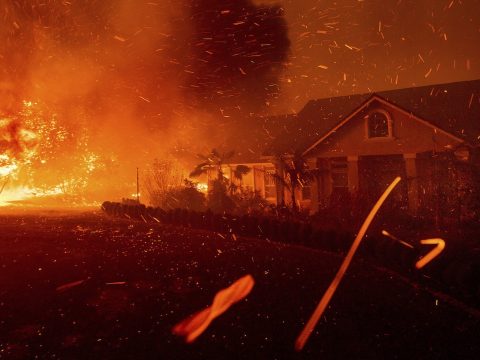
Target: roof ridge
392, 90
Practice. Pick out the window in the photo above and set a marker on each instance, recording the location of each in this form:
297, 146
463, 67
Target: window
378, 125
270, 188
339, 173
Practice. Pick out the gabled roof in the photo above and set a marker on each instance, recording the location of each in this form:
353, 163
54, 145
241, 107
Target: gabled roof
375, 99
452, 107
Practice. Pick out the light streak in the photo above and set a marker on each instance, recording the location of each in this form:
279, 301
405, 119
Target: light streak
322, 305
194, 326
386, 233
69, 285
433, 253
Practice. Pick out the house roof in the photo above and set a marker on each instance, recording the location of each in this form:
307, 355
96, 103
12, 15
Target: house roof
452, 107
253, 135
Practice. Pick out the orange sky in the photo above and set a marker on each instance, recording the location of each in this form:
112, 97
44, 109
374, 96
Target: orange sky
351, 46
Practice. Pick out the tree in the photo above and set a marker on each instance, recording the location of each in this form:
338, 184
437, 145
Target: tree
185, 197
218, 199
238, 173
296, 174
162, 177
213, 160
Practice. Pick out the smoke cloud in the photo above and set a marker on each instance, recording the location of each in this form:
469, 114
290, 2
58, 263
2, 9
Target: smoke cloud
145, 78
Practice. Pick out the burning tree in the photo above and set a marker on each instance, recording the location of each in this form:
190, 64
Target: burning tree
40, 155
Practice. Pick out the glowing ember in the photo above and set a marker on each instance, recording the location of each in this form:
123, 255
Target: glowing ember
440, 245
193, 327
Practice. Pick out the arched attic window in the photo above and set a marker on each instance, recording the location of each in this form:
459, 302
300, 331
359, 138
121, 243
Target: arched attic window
379, 124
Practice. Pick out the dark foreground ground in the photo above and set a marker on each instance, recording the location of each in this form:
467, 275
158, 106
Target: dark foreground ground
164, 274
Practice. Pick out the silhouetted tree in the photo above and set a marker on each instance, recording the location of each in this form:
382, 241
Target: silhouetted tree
218, 199
296, 174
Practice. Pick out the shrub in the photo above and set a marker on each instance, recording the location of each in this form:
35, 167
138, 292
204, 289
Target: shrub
218, 199
249, 202
184, 197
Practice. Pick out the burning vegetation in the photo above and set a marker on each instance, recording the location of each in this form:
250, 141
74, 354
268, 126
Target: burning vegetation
42, 157
113, 85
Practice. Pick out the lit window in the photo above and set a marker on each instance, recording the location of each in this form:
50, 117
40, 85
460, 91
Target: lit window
378, 125
270, 189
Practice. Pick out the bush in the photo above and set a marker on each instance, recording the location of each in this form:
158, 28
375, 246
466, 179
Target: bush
218, 199
184, 197
249, 202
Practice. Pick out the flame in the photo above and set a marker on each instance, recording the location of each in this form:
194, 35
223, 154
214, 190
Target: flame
41, 157
202, 187
12, 196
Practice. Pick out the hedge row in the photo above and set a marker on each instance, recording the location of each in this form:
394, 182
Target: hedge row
456, 271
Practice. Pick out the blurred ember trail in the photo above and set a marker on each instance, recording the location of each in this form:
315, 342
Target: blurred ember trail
440, 245
404, 243
69, 285
322, 305
194, 326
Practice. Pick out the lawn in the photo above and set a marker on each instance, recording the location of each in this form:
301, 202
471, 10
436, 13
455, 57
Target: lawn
132, 282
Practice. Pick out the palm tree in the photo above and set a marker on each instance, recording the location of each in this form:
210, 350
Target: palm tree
213, 160
238, 173
218, 198
216, 160
296, 174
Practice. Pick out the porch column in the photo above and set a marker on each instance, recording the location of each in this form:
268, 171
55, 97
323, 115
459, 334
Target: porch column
313, 165
278, 185
412, 182
259, 180
352, 168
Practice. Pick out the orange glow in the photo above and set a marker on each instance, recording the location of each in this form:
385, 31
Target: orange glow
433, 253
203, 187
20, 194
42, 158
195, 325
322, 305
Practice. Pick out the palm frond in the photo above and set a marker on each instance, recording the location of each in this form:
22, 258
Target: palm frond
240, 171
200, 169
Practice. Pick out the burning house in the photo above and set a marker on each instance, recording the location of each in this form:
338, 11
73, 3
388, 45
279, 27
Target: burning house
355, 145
